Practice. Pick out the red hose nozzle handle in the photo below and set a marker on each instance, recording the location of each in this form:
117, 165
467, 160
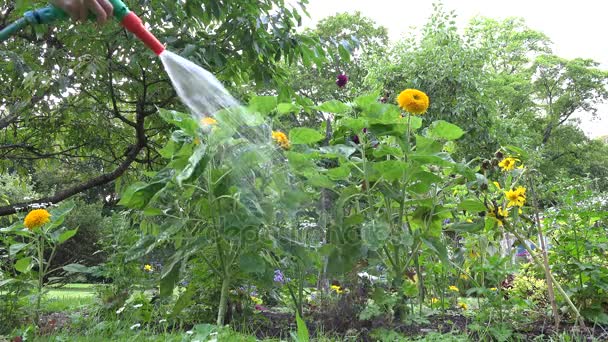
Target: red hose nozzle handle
134, 25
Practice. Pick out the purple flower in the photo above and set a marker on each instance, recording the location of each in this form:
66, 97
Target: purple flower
279, 277
356, 139
342, 80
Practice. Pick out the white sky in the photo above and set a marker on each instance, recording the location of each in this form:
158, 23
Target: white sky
577, 29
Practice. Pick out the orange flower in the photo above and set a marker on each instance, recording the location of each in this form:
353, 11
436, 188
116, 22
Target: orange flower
413, 101
36, 218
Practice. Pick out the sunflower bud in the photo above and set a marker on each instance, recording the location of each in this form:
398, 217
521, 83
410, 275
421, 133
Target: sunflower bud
486, 165
499, 155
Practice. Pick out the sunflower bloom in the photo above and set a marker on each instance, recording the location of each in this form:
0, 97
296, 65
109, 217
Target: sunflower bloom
434, 300
148, 268
413, 101
37, 218
337, 289
281, 139
517, 197
499, 215
508, 163
208, 121
493, 289
463, 306
453, 288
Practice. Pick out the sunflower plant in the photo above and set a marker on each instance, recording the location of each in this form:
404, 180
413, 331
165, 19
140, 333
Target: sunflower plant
33, 243
215, 201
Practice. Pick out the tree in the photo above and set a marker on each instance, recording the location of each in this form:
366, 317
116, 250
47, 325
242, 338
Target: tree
84, 101
451, 72
565, 87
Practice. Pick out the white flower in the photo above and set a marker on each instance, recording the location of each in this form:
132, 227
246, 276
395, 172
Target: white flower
134, 326
189, 332
137, 306
120, 310
162, 321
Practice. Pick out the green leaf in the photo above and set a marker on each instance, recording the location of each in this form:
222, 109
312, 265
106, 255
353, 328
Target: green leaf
438, 247
23, 265
338, 150
426, 145
252, 263
356, 125
263, 104
65, 236
16, 248
334, 106
182, 120
287, 108
139, 194
304, 135
195, 166
468, 227
472, 205
319, 180
391, 169
184, 300
415, 122
445, 130
303, 335
58, 215
339, 173
169, 277
375, 233
77, 268
344, 53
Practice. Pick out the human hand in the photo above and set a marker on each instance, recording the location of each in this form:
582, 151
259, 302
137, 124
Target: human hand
79, 9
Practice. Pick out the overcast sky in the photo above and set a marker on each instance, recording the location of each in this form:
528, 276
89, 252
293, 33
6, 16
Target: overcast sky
577, 29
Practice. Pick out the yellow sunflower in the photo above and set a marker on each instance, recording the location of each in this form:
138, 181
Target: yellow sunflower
508, 163
499, 216
281, 139
208, 121
337, 289
516, 197
148, 268
453, 288
413, 101
463, 306
434, 300
37, 218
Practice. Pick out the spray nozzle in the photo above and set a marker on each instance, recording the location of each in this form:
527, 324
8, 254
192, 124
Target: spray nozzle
49, 14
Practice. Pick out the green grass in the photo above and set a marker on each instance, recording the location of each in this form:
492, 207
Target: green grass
69, 298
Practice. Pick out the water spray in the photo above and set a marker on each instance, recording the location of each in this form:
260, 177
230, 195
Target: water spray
50, 14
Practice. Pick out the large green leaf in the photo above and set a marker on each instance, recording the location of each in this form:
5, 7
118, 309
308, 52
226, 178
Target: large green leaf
66, 235
303, 335
472, 205
139, 194
445, 130
252, 263
182, 120
339, 173
195, 166
334, 106
375, 233
263, 104
304, 135
438, 247
23, 265
16, 248
170, 276
391, 169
